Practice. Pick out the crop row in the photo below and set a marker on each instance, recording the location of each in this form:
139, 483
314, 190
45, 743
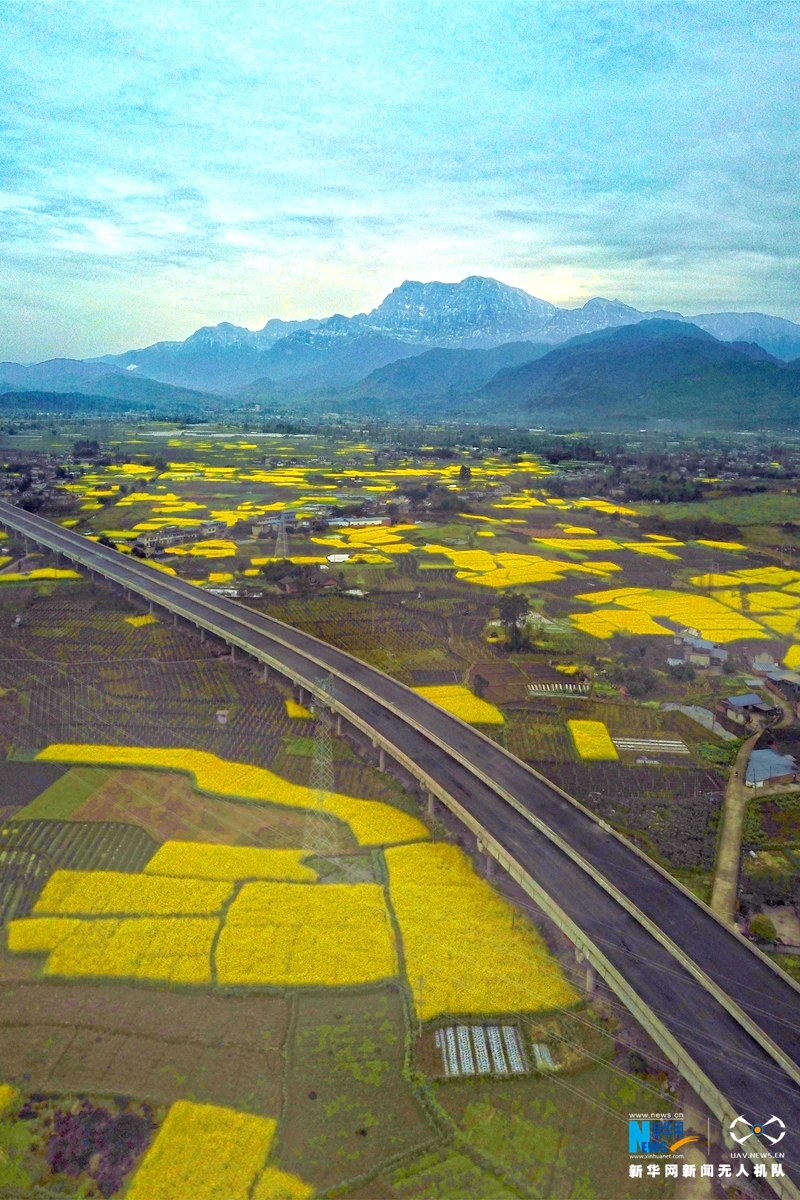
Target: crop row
81, 845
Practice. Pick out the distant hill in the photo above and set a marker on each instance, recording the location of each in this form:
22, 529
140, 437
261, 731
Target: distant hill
657, 370
331, 358
217, 358
69, 376
775, 334
439, 376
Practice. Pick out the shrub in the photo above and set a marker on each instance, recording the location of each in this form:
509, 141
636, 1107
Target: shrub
762, 929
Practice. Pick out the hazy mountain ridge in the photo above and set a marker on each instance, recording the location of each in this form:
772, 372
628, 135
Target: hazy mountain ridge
658, 370
441, 373
777, 335
476, 314
67, 376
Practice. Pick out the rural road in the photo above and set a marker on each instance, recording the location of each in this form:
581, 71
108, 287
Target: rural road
726, 872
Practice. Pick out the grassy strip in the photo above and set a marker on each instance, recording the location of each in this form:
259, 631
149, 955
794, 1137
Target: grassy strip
59, 801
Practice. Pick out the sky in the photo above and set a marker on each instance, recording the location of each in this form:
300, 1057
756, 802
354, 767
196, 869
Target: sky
169, 165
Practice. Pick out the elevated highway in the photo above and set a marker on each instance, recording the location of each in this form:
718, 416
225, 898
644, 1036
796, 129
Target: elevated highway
716, 1006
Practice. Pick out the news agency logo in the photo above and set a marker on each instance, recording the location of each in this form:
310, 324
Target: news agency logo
741, 1129
657, 1137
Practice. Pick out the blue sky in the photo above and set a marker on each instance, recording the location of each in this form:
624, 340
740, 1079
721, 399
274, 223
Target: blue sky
164, 166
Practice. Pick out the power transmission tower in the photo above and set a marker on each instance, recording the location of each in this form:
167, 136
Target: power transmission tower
321, 833
281, 544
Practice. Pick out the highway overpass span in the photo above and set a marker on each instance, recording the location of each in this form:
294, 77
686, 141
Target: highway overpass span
716, 1006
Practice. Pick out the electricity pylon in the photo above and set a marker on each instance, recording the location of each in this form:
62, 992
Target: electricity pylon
281, 544
321, 833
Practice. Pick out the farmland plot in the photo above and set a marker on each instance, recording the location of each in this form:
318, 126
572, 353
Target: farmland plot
350, 1109
676, 810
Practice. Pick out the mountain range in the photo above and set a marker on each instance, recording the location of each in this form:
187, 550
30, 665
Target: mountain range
664, 371
478, 347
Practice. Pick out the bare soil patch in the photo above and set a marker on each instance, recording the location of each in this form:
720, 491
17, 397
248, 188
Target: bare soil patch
166, 805
154, 1045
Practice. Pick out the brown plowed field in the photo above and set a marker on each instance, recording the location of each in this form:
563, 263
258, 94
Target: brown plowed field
165, 804
155, 1046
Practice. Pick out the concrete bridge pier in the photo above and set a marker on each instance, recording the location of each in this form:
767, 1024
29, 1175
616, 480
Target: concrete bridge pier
339, 724
488, 860
431, 805
265, 672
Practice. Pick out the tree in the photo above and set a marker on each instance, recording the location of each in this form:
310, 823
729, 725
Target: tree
514, 608
464, 475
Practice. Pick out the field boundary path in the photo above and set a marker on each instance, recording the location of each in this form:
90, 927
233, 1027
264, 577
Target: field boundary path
717, 1008
729, 851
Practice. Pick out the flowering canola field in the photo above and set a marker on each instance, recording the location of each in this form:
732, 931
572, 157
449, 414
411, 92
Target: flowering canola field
291, 934
39, 573
106, 893
173, 950
513, 570
207, 860
463, 703
207, 1152
145, 619
592, 740
635, 606
372, 823
466, 949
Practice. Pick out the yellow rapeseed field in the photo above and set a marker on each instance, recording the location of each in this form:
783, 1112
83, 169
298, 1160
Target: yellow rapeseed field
306, 935
463, 703
298, 712
39, 573
207, 860
203, 1152
578, 543
8, 1098
608, 621
39, 935
372, 822
512, 570
466, 949
713, 620
107, 893
275, 1184
784, 624
791, 659
155, 949
592, 740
